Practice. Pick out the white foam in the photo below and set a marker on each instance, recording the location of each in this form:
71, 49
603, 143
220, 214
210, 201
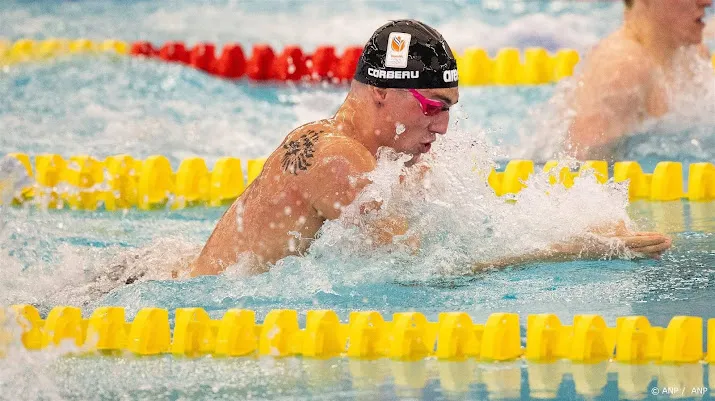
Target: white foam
459, 219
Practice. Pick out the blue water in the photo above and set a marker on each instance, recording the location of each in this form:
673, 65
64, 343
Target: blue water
102, 105
282, 22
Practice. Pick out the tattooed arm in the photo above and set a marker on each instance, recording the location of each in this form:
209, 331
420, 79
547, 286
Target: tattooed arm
332, 181
300, 152
337, 185
332, 174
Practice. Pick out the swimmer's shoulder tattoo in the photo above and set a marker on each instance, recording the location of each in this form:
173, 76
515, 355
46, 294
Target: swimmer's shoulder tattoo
299, 152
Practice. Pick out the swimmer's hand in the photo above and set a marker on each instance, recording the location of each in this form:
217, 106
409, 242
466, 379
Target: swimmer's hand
643, 244
608, 239
648, 244
602, 242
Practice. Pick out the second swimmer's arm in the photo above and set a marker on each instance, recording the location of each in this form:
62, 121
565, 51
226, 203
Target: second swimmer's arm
608, 106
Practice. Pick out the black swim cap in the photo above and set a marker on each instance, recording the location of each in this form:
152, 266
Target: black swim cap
407, 54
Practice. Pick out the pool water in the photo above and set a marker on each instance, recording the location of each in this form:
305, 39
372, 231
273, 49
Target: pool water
106, 105
293, 378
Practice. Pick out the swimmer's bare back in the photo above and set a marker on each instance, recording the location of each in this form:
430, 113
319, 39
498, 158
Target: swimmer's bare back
306, 180
620, 86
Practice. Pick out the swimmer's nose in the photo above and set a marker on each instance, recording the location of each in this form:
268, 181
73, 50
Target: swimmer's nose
439, 123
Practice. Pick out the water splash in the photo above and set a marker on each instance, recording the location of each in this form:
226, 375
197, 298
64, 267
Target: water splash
458, 218
88, 274
451, 211
399, 129
13, 180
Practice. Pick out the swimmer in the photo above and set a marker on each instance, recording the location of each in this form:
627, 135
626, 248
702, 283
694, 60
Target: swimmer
404, 86
624, 80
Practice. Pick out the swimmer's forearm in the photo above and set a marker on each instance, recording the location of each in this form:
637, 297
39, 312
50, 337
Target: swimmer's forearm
556, 253
382, 231
541, 256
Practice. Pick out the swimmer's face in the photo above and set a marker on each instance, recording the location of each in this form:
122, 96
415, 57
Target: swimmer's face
684, 19
411, 131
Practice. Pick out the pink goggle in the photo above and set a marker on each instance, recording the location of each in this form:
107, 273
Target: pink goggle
430, 107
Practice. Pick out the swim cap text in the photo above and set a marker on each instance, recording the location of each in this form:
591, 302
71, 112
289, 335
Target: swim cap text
450, 76
382, 74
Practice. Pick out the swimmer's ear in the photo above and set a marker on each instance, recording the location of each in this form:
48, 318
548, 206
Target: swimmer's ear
378, 95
